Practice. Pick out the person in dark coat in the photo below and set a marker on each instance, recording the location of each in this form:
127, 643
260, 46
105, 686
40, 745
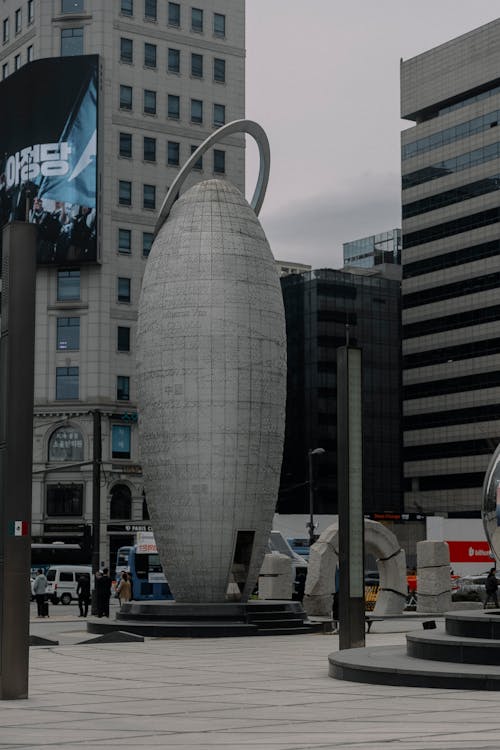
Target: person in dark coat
103, 593
491, 586
83, 593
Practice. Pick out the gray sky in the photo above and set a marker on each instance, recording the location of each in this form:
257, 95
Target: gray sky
323, 81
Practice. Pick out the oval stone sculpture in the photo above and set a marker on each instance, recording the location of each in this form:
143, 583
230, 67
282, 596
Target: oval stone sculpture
211, 391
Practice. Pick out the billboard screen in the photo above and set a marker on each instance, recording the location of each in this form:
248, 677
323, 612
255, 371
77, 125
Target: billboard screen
48, 156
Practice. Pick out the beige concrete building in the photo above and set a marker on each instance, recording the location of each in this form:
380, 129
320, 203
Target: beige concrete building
451, 270
170, 73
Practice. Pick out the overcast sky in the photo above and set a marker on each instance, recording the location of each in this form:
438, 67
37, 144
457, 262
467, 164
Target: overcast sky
323, 81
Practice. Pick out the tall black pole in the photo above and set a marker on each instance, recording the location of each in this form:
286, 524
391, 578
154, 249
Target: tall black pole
350, 498
16, 453
96, 491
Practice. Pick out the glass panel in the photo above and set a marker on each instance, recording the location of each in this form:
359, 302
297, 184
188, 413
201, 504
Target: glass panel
219, 161
174, 58
66, 444
72, 6
147, 241
123, 388
150, 9
174, 14
68, 285
219, 24
196, 19
125, 193
173, 106
149, 149
127, 7
123, 289
196, 111
219, 70
124, 240
64, 499
66, 383
120, 441
197, 65
125, 97
123, 340
71, 42
126, 144
126, 50
173, 153
150, 102
150, 55
219, 114
149, 196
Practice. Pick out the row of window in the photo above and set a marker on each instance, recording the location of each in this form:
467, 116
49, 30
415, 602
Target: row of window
174, 17
150, 59
472, 317
487, 413
18, 20
150, 106
452, 165
68, 335
453, 258
173, 154
469, 350
68, 286
67, 500
18, 61
475, 382
446, 482
450, 197
434, 451
450, 228
470, 285
125, 242
450, 135
489, 91
67, 385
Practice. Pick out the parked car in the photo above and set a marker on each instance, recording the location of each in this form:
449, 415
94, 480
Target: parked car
473, 587
63, 580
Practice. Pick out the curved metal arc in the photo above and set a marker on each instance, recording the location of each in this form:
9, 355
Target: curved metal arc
237, 126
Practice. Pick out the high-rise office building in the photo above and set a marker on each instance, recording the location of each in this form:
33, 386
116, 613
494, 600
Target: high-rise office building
451, 270
168, 74
324, 309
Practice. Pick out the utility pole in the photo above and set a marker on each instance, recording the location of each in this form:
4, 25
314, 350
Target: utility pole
96, 499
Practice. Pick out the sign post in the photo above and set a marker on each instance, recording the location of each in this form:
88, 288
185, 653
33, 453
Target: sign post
16, 454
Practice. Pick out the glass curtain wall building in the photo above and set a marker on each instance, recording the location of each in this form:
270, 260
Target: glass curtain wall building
321, 307
451, 270
376, 250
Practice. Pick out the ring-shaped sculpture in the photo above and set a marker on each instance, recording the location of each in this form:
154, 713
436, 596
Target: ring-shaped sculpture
237, 126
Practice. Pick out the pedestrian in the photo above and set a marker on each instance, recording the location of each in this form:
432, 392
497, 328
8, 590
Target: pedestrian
83, 594
491, 586
39, 589
103, 592
124, 588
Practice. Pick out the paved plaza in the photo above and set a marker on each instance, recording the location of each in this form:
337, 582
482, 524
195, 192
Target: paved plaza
258, 692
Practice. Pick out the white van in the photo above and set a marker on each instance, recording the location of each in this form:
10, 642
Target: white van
63, 580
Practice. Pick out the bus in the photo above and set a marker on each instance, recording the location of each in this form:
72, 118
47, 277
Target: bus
146, 573
57, 553
122, 556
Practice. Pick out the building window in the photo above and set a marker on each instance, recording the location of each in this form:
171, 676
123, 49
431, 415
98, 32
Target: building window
18, 20
149, 55
219, 24
126, 144
120, 441
199, 162
149, 149
122, 388
174, 60
196, 111
174, 14
174, 106
66, 383
5, 70
145, 511
147, 242
197, 20
120, 505
126, 97
149, 196
219, 114
127, 8
64, 499
66, 444
125, 193
17, 62
196, 65
173, 153
219, 70
71, 42
123, 289
31, 11
123, 339
219, 161
150, 10
29, 53
71, 6
124, 240
126, 50
68, 285
68, 333
5, 30
149, 102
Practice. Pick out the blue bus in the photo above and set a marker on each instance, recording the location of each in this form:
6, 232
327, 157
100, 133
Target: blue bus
146, 573
122, 556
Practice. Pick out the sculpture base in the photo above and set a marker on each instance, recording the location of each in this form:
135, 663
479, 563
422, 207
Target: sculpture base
465, 656
164, 619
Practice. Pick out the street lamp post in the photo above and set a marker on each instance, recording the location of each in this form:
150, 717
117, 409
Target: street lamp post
310, 525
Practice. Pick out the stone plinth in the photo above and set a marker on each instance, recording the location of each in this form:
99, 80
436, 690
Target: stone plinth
433, 577
276, 577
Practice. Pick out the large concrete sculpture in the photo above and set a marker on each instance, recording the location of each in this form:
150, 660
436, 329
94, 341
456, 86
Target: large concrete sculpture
211, 350
491, 503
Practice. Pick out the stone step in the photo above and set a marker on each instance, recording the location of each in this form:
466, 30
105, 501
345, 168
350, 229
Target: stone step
439, 646
471, 624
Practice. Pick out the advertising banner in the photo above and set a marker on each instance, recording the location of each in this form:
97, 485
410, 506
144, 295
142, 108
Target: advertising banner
48, 156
